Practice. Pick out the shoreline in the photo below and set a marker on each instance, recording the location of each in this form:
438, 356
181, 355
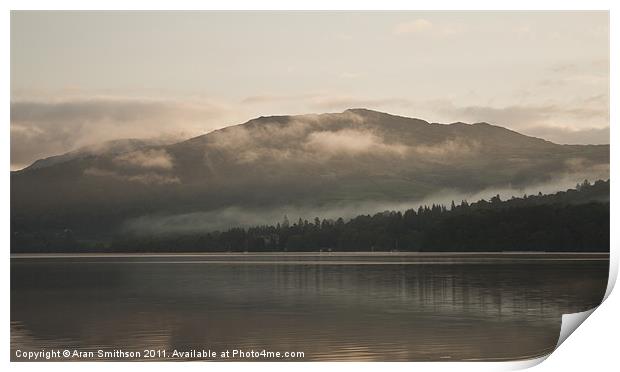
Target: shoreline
324, 257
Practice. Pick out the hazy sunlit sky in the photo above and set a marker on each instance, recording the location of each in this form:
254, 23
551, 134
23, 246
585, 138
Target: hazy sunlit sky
79, 78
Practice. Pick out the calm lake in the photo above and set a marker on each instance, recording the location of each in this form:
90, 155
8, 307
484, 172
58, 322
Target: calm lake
359, 307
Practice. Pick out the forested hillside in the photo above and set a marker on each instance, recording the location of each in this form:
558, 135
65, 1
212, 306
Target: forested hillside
576, 220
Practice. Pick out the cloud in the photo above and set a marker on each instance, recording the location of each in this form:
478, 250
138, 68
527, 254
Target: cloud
235, 216
351, 142
599, 67
344, 37
449, 148
98, 172
524, 115
118, 110
147, 178
305, 138
43, 128
339, 103
328, 102
425, 27
268, 98
262, 98
415, 26
589, 79
583, 122
154, 178
568, 136
349, 75
272, 139
157, 159
248, 145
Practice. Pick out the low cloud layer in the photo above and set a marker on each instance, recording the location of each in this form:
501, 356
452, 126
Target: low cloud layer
146, 177
156, 159
233, 216
351, 142
581, 122
307, 138
570, 136
449, 148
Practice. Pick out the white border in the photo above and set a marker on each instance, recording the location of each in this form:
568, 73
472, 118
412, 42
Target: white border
591, 346
314, 5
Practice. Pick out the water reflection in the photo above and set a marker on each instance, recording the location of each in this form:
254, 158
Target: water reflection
375, 310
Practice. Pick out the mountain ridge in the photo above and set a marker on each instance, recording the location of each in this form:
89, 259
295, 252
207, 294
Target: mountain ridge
141, 143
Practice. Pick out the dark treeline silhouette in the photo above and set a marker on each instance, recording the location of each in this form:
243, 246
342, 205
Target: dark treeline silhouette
576, 220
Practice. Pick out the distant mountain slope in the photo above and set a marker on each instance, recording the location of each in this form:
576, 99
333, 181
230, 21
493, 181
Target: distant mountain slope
108, 148
355, 156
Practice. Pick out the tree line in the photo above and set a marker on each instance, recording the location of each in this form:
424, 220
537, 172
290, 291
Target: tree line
576, 220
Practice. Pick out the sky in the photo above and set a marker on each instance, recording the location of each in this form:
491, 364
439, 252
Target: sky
81, 78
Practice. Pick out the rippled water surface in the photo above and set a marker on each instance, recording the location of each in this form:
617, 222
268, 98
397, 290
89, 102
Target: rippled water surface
330, 307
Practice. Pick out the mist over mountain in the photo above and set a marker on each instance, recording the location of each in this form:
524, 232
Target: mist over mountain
108, 148
355, 160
